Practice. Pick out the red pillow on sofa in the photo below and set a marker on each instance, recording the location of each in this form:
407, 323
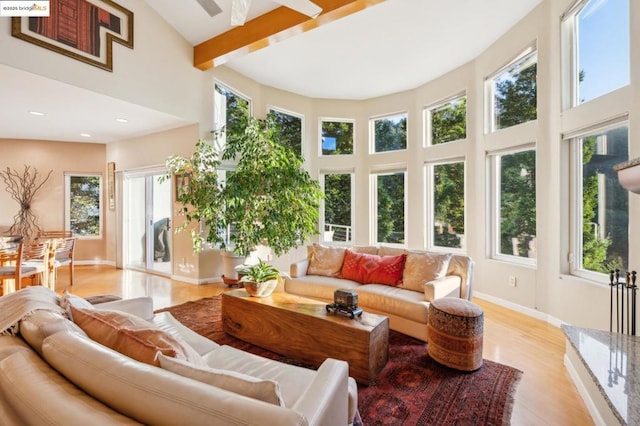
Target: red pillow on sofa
373, 269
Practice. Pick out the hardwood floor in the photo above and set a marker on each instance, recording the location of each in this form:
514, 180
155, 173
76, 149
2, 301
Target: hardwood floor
545, 396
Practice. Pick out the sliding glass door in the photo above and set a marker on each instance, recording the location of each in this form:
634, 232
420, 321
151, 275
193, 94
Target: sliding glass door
147, 222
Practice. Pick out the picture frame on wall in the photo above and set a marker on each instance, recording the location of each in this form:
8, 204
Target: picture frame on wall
111, 185
80, 29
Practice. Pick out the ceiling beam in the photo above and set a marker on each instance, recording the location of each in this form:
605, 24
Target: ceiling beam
270, 28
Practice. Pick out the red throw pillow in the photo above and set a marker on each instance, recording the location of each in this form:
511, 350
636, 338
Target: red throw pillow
373, 269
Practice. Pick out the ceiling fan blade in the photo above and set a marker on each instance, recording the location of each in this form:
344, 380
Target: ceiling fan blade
210, 6
305, 7
239, 11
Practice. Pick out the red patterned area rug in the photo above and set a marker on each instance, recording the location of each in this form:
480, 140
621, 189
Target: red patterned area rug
412, 389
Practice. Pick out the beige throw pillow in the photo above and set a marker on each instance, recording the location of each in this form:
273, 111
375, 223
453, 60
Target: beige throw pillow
325, 261
242, 384
422, 267
131, 336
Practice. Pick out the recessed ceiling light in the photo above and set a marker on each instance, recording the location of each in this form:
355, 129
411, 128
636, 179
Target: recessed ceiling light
122, 120
36, 113
85, 135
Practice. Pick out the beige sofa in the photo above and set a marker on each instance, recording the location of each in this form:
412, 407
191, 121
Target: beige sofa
52, 373
424, 276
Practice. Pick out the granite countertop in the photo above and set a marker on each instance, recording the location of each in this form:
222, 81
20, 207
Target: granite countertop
627, 164
613, 360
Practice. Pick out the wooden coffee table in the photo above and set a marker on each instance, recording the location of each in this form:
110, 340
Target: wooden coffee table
302, 329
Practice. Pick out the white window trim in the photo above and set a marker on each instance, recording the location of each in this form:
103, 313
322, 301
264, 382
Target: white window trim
218, 120
429, 210
335, 120
373, 208
67, 203
323, 173
372, 132
494, 205
427, 112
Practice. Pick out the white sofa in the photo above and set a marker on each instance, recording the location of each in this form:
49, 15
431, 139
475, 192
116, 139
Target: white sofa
52, 373
425, 277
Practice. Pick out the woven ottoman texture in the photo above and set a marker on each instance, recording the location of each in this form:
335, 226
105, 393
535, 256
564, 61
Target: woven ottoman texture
455, 332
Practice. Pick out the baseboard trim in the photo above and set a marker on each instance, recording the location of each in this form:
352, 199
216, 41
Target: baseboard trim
582, 390
550, 319
196, 281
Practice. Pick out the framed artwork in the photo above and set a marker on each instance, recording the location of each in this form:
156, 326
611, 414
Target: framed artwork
111, 184
80, 29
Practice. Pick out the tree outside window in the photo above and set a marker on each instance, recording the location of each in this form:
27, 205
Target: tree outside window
390, 133
230, 111
448, 121
290, 130
83, 205
337, 137
337, 207
448, 205
515, 93
390, 207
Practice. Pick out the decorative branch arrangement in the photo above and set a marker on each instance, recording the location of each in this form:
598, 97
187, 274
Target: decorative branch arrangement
23, 188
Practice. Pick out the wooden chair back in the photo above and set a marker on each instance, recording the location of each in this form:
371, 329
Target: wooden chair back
30, 258
64, 255
54, 234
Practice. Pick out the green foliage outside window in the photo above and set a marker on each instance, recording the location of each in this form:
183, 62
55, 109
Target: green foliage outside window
448, 204
84, 206
337, 205
340, 132
391, 208
516, 94
449, 121
290, 130
390, 133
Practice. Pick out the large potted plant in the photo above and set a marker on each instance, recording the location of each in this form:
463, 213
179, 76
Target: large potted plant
266, 199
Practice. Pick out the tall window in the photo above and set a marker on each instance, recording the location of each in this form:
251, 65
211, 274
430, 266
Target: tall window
390, 133
447, 121
83, 204
601, 216
390, 207
447, 205
598, 31
513, 93
290, 128
337, 207
230, 110
514, 204
336, 137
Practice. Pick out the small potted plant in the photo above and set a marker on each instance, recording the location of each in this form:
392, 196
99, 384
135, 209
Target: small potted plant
260, 280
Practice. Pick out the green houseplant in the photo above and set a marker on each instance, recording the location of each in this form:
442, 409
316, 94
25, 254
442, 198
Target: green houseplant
267, 198
260, 279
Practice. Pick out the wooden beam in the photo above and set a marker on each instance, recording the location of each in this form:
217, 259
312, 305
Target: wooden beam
270, 28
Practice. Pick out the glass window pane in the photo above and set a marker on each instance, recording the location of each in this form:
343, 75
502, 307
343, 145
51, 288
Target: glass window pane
290, 130
84, 205
605, 203
390, 208
449, 121
337, 207
448, 205
337, 137
518, 204
602, 28
390, 133
515, 93
230, 111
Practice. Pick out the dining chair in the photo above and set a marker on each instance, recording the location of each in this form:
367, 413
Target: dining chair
63, 254
35, 253
14, 265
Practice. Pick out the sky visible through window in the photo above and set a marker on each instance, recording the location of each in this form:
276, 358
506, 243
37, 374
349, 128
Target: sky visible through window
603, 47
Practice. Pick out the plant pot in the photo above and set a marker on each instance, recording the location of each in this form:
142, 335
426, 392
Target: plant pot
262, 289
229, 263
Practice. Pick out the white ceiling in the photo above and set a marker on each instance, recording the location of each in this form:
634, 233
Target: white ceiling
390, 47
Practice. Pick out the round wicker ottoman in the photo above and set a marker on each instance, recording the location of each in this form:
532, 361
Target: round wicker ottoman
454, 333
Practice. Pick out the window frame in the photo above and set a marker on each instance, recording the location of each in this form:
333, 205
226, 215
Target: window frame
494, 198
272, 108
216, 125
489, 89
427, 116
575, 207
67, 203
323, 173
372, 132
322, 120
373, 179
430, 207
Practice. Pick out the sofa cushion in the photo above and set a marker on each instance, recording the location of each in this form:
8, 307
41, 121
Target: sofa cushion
67, 300
131, 336
394, 301
422, 267
152, 395
41, 324
371, 268
325, 261
317, 287
39, 395
167, 322
243, 384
